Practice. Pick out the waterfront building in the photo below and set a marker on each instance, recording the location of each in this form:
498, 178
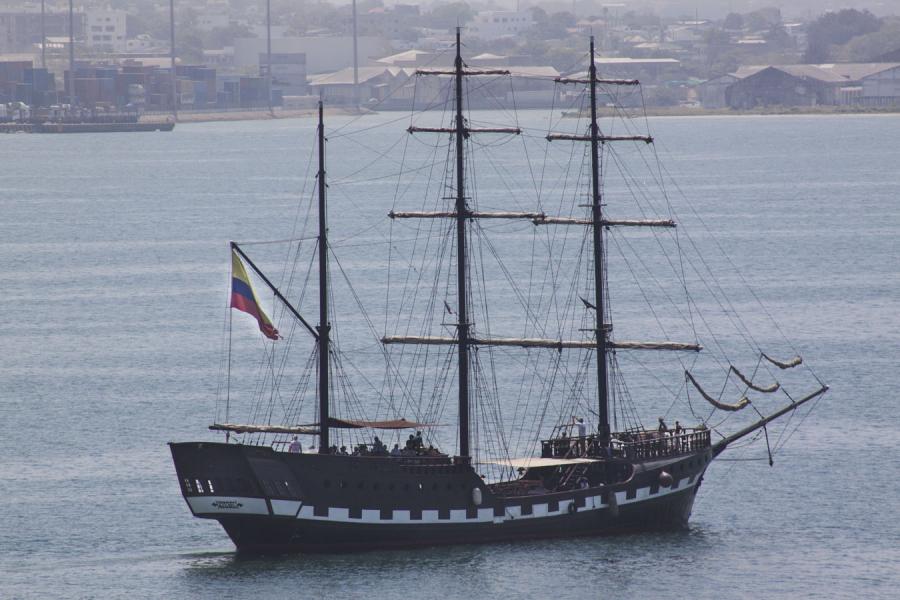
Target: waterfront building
496, 24
863, 84
712, 92
288, 72
20, 30
375, 84
324, 54
105, 29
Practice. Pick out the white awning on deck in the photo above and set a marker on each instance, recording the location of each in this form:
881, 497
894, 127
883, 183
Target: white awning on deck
528, 463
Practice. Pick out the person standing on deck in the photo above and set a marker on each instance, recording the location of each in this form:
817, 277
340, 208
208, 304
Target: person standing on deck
296, 447
663, 432
581, 430
679, 441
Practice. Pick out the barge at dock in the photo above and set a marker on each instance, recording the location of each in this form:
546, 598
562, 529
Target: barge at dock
89, 127
43, 121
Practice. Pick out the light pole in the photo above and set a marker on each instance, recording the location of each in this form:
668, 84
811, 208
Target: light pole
43, 39
269, 56
174, 79
355, 62
71, 89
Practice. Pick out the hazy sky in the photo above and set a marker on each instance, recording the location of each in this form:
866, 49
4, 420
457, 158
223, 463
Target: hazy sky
789, 8
710, 9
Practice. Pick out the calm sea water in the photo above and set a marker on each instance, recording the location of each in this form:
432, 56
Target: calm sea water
113, 265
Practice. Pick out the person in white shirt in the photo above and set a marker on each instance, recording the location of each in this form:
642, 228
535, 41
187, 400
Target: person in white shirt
580, 426
581, 430
296, 447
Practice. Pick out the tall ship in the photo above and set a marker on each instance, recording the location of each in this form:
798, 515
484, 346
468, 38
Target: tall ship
473, 436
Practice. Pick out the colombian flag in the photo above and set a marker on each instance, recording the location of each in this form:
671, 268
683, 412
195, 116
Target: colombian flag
244, 298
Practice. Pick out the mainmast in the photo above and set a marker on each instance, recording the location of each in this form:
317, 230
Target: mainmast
461, 271
324, 327
464, 338
461, 214
599, 274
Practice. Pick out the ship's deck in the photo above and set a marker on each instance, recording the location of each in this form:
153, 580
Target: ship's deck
631, 445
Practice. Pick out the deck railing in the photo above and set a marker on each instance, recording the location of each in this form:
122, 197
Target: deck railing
638, 445
667, 444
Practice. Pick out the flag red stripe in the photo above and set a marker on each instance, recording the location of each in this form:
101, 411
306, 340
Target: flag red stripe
250, 307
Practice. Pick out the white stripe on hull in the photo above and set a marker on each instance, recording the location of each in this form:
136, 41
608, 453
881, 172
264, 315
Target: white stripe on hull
226, 505
486, 515
285, 508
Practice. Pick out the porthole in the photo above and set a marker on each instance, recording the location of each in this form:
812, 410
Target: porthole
342, 484
212, 490
421, 487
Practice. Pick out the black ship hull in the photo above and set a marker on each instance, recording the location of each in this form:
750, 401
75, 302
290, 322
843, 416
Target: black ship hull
274, 502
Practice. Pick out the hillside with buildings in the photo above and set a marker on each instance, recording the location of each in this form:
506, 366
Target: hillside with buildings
231, 54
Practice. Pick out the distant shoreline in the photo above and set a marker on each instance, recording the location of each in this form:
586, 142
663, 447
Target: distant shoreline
682, 111
247, 115
675, 111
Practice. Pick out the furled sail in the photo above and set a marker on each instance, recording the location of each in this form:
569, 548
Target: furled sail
391, 424
251, 428
541, 343
744, 401
766, 390
797, 360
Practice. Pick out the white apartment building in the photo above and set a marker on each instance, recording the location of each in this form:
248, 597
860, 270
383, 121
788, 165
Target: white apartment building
494, 24
105, 29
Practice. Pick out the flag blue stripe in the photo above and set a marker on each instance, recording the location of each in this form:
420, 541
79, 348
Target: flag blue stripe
239, 286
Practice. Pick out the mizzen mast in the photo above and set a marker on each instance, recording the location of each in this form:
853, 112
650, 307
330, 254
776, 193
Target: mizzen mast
324, 327
599, 274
